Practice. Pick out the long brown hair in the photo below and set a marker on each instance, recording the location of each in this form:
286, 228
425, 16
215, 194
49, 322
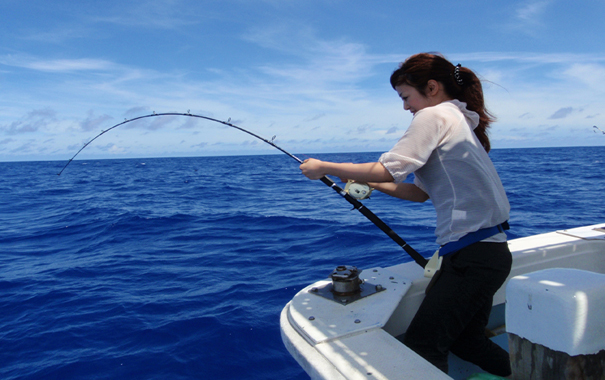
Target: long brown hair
459, 83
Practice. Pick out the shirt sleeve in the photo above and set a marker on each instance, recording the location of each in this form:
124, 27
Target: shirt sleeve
416, 145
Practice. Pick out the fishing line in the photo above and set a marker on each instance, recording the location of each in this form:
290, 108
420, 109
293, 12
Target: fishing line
418, 258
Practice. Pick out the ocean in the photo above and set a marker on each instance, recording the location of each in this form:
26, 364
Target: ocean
178, 268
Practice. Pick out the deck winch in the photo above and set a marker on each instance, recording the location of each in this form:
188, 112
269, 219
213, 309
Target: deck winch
345, 280
346, 286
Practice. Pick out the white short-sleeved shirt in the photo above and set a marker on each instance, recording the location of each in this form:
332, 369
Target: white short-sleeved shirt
452, 167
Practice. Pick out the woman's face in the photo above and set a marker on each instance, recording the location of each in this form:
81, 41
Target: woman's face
413, 100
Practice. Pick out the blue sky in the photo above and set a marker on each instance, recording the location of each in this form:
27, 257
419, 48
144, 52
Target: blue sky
313, 73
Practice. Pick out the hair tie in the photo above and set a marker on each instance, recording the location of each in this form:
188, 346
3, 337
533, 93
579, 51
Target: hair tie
457, 75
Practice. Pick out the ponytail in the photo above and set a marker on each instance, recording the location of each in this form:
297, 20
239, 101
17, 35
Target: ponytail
459, 83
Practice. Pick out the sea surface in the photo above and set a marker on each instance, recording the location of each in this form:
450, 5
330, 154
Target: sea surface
178, 268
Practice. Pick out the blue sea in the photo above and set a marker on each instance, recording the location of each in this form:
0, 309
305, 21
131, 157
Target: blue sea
178, 268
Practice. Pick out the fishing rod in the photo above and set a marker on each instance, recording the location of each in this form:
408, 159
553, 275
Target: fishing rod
418, 258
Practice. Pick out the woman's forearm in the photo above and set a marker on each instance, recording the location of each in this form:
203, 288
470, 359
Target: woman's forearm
407, 191
366, 172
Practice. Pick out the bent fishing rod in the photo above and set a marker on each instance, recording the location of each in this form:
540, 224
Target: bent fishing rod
418, 258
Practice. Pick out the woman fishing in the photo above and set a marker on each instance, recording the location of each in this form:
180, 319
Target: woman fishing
446, 147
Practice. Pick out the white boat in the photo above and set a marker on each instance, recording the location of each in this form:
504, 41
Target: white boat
344, 337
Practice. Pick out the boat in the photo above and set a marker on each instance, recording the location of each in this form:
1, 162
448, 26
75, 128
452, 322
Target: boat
337, 332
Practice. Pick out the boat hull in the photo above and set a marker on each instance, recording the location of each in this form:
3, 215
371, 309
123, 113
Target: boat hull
326, 350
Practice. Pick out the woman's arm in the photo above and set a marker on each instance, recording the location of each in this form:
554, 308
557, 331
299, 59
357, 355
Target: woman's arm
372, 173
368, 172
407, 191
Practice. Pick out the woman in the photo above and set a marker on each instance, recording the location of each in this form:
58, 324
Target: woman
446, 147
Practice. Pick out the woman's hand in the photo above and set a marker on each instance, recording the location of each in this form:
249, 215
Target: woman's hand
312, 168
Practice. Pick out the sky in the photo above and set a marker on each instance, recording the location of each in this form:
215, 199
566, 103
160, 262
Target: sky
312, 74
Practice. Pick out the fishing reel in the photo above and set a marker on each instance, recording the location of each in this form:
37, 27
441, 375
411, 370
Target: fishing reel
358, 190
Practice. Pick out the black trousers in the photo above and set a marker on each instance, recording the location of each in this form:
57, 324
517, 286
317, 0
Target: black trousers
455, 312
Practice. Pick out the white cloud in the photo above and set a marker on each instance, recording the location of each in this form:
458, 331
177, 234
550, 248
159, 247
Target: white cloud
308, 96
530, 12
56, 65
591, 75
529, 17
161, 14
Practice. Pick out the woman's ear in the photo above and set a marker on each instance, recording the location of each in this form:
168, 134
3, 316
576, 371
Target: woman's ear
432, 87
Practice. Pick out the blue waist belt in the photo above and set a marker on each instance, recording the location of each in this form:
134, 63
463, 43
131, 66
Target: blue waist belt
472, 238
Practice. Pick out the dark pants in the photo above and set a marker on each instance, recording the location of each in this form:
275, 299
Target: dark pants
455, 312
